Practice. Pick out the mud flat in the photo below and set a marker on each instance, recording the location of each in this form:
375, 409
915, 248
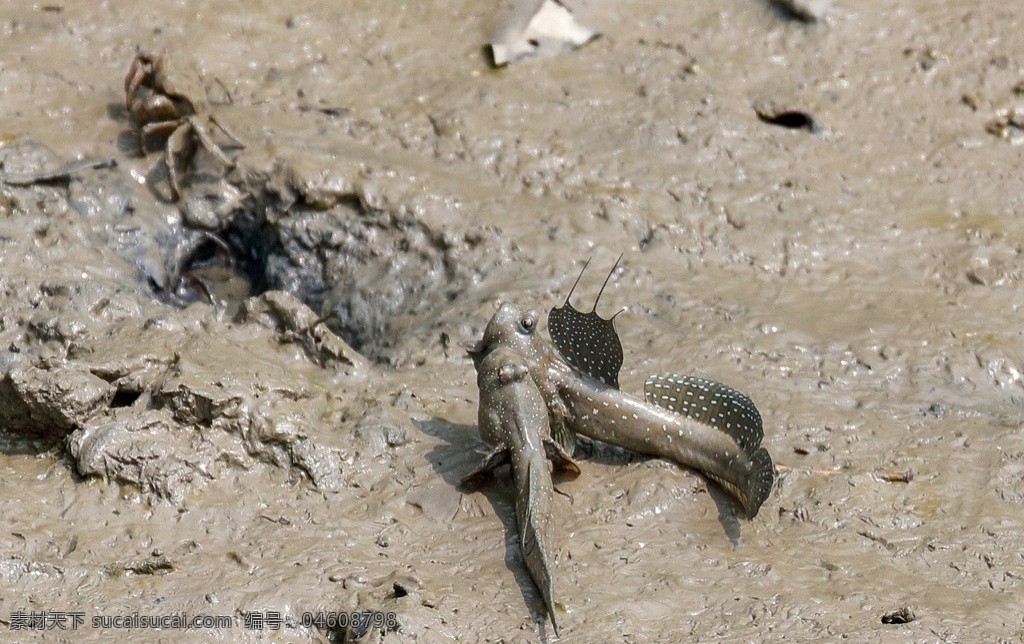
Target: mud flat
826, 215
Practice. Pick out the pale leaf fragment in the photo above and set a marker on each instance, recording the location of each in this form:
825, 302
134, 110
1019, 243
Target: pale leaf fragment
539, 29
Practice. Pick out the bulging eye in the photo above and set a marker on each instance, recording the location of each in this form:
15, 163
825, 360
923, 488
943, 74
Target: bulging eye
527, 324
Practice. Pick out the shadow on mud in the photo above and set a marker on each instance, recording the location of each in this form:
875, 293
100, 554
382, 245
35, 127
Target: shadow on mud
729, 511
463, 452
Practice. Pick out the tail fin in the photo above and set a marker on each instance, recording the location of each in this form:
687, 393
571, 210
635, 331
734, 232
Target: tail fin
762, 478
727, 410
533, 507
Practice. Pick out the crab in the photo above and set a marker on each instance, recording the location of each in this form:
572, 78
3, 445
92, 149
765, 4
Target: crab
193, 261
165, 97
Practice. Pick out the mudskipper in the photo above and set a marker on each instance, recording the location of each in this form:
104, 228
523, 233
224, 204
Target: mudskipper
574, 378
513, 420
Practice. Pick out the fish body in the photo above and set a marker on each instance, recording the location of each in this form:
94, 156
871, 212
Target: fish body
696, 422
512, 328
537, 395
654, 428
513, 419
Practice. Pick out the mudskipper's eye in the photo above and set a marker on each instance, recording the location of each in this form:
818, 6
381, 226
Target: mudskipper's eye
527, 324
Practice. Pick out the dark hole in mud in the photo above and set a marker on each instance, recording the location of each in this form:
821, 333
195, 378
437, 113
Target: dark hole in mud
219, 269
250, 246
902, 615
376, 269
356, 627
125, 398
211, 249
797, 11
793, 120
362, 267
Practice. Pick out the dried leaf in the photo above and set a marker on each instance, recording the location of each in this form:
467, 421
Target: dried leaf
539, 29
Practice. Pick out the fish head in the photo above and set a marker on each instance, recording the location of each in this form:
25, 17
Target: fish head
509, 327
501, 366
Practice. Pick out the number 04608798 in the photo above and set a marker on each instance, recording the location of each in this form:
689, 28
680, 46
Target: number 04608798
355, 619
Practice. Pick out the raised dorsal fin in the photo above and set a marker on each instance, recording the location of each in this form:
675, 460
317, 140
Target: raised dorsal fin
587, 341
708, 402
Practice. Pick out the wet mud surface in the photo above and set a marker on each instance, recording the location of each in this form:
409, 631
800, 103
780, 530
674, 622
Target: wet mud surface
825, 215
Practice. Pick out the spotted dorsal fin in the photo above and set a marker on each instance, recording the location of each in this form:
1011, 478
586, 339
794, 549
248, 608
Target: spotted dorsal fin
710, 403
587, 341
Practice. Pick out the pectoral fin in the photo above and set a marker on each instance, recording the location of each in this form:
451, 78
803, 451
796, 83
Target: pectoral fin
561, 461
484, 474
561, 434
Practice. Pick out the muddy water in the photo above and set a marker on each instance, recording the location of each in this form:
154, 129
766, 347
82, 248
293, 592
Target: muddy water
862, 283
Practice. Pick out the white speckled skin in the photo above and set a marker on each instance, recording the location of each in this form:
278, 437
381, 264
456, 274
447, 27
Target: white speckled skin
514, 420
578, 403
